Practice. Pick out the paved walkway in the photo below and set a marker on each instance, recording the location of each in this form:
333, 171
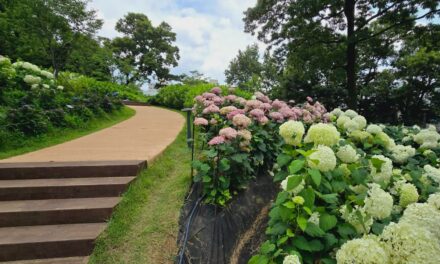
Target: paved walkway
142, 137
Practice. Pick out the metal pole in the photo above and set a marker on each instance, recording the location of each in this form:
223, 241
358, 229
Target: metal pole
189, 139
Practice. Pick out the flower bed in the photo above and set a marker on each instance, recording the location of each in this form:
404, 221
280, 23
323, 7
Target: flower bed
352, 193
241, 138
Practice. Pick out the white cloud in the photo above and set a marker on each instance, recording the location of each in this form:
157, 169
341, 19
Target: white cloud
209, 33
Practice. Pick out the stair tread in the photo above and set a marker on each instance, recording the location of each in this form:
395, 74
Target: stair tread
27, 183
50, 233
68, 260
57, 204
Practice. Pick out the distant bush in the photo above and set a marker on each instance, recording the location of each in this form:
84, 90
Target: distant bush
32, 101
179, 96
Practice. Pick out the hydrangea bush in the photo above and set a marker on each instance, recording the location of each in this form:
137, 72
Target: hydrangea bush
241, 137
353, 192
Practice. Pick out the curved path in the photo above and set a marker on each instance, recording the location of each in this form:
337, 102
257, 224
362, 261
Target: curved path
141, 137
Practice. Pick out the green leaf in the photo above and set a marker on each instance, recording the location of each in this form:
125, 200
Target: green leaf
283, 159
309, 197
327, 221
296, 166
259, 259
289, 232
314, 230
267, 247
377, 163
206, 178
302, 222
330, 198
289, 204
346, 230
316, 176
281, 175
282, 240
224, 164
281, 198
293, 181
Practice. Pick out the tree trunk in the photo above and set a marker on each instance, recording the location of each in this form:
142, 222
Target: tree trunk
349, 11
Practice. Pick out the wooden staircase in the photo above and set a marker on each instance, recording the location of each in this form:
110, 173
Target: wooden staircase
53, 212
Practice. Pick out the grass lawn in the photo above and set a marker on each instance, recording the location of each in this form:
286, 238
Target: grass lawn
57, 136
144, 226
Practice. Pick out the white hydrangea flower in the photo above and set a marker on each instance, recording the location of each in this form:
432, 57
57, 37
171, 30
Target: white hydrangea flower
387, 140
363, 225
366, 250
4, 60
427, 139
291, 259
407, 139
292, 132
434, 200
378, 203
408, 194
347, 154
336, 112
30, 79
409, 243
351, 125
314, 218
385, 172
374, 129
295, 190
423, 214
432, 173
47, 74
323, 159
401, 153
428, 152
322, 134
341, 120
60, 87
351, 113
46, 86
30, 66
361, 121
431, 127
359, 135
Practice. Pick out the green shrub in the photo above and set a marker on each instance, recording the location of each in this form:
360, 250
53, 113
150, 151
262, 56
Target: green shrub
179, 96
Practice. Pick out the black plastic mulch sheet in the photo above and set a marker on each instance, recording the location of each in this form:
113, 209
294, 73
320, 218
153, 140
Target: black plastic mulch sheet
215, 231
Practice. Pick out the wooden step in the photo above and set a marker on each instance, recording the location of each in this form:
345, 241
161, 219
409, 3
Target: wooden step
34, 189
46, 170
48, 241
56, 211
69, 260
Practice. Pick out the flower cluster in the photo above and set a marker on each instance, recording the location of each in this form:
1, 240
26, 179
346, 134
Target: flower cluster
242, 137
364, 191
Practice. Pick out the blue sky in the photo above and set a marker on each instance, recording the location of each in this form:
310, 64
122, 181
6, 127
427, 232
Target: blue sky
209, 33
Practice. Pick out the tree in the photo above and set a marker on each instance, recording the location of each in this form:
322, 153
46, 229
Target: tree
43, 31
144, 52
248, 72
193, 78
339, 26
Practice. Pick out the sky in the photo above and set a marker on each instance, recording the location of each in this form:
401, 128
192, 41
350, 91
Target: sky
209, 32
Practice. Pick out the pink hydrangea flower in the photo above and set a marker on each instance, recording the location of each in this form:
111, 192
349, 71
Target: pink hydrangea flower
216, 141
211, 109
241, 120
227, 109
234, 113
213, 121
208, 103
241, 100
286, 112
326, 118
298, 111
245, 134
200, 121
208, 95
265, 106
199, 98
216, 90
231, 97
263, 98
277, 104
228, 133
309, 99
263, 120
218, 100
257, 113
253, 104
277, 117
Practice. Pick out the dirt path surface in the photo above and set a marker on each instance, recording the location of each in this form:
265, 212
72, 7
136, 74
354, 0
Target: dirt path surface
142, 137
